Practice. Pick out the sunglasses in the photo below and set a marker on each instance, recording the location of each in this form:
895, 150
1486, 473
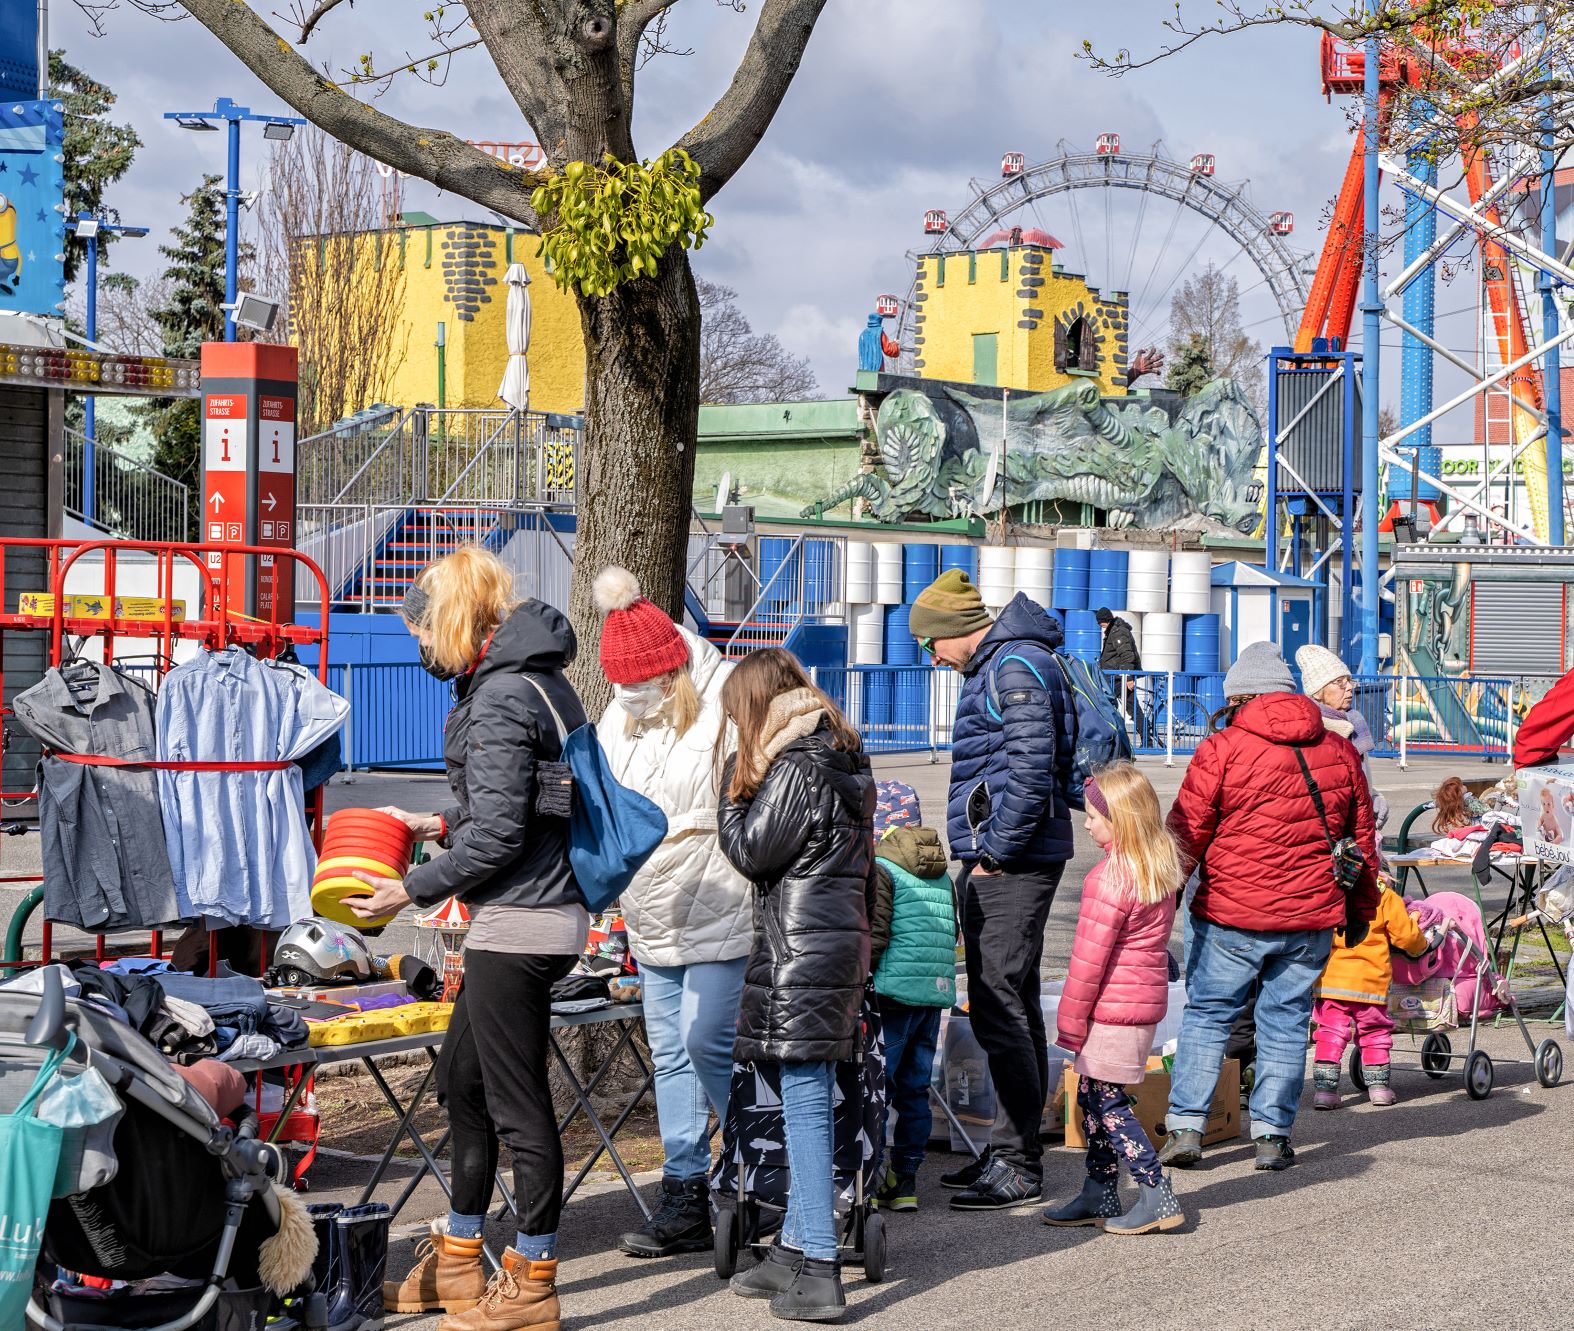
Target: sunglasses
926, 646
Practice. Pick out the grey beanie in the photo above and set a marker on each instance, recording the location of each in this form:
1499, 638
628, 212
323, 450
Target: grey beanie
1260, 668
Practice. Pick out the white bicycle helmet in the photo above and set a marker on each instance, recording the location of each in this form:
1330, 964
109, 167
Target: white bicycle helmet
318, 951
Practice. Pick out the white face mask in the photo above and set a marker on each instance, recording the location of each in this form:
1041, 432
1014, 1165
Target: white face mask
641, 700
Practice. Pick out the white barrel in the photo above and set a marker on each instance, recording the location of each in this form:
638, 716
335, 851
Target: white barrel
1034, 573
888, 572
1163, 641
1133, 618
1148, 580
860, 573
945, 686
1191, 583
997, 573
866, 634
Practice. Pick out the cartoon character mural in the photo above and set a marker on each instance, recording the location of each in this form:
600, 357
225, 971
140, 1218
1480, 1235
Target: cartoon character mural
32, 220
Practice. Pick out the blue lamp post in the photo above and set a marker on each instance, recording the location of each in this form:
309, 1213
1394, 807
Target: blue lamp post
88, 229
273, 127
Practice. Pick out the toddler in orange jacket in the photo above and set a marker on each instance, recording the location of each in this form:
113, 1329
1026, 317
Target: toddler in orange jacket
1352, 1001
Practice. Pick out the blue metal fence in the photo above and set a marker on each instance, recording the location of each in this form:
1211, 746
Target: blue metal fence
397, 712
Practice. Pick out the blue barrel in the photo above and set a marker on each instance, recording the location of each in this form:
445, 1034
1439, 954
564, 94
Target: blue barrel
1209, 690
901, 648
1399, 478
1071, 579
879, 701
1107, 579
781, 595
920, 567
1084, 637
911, 709
1200, 644
819, 576
964, 557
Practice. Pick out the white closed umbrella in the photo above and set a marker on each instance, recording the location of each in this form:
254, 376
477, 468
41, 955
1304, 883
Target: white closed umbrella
515, 389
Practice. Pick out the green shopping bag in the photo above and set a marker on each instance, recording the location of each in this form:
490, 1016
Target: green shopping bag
29, 1153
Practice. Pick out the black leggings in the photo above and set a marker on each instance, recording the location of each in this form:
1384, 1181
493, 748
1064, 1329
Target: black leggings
492, 1080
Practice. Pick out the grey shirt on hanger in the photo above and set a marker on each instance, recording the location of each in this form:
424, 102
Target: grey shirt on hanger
105, 862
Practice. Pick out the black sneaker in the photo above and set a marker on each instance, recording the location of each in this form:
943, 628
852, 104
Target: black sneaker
1274, 1153
681, 1223
999, 1188
815, 1295
898, 1193
968, 1175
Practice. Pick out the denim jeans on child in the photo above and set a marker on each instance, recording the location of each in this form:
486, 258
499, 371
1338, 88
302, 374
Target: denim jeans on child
911, 1034
1339, 1020
691, 1020
1114, 1134
1222, 966
808, 1092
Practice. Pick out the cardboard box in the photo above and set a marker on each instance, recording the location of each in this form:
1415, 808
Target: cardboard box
1152, 1097
98, 607
1546, 806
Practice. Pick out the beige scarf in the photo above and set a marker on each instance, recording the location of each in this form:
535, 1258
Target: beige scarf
793, 716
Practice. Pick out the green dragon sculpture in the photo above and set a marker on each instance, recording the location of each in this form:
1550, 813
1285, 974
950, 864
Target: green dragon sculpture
1126, 458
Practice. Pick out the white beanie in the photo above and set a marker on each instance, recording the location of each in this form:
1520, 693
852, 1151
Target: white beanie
1319, 668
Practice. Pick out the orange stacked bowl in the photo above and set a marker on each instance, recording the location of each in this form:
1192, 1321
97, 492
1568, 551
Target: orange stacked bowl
358, 841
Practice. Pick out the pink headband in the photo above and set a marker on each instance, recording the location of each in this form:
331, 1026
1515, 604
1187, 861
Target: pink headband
1095, 797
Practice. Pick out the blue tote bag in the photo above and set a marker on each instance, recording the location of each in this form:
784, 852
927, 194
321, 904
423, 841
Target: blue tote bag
29, 1153
612, 830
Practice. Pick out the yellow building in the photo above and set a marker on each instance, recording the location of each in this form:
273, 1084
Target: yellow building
1009, 316
453, 276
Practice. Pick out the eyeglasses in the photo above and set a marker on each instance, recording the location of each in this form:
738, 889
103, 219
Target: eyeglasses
926, 646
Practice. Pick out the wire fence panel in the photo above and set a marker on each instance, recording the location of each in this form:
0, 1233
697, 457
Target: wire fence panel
129, 499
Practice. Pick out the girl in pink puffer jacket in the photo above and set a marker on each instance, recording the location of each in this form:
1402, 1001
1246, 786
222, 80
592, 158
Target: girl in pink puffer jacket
1116, 994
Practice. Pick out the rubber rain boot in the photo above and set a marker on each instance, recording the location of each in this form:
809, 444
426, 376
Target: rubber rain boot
360, 1235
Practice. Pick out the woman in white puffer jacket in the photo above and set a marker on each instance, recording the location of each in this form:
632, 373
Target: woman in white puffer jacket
690, 914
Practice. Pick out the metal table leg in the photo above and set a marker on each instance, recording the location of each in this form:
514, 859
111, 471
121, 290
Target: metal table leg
582, 1094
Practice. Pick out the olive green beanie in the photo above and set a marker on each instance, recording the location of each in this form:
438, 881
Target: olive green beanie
949, 607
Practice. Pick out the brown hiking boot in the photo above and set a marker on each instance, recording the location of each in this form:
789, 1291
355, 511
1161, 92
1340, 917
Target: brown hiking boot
447, 1277
521, 1297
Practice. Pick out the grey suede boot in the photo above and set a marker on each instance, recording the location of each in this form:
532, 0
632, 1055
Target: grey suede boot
1097, 1202
1182, 1149
1156, 1208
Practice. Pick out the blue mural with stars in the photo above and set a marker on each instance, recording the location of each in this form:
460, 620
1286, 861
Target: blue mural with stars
32, 223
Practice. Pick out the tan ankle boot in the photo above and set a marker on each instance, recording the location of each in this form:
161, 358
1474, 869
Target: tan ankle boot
521, 1297
447, 1277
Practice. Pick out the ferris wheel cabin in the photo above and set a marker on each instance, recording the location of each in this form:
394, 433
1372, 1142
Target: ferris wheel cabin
1108, 145
935, 222
1012, 164
1202, 164
1281, 224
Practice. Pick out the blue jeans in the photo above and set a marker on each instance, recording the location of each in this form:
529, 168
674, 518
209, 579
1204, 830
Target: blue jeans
691, 1020
808, 1090
911, 1034
1222, 965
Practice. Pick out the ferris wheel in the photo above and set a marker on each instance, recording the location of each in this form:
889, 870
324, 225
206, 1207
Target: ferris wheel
1160, 220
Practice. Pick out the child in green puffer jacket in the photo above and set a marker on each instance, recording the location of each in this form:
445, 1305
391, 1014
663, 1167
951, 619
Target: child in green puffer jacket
913, 955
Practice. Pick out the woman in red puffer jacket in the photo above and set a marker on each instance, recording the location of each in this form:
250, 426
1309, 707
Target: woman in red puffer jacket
1267, 901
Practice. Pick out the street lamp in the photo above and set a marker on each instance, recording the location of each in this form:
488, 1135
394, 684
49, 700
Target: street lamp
88, 228
274, 127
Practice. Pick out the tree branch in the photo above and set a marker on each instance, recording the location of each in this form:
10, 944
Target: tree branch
316, 16
432, 154
520, 38
723, 140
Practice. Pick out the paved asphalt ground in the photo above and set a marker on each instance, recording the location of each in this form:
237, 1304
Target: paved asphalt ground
1439, 1212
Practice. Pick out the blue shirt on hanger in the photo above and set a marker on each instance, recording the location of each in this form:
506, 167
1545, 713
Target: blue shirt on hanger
238, 842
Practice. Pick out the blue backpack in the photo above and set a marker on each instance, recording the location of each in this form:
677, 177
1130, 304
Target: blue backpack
1101, 736
612, 830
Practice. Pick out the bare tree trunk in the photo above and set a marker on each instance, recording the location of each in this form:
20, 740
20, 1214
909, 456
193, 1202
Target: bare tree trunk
636, 472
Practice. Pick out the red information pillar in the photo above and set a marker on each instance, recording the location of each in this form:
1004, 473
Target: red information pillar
248, 469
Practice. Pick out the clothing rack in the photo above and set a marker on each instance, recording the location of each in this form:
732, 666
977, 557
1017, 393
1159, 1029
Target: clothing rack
215, 626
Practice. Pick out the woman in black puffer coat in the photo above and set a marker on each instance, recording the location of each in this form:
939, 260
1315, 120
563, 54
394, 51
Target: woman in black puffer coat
797, 819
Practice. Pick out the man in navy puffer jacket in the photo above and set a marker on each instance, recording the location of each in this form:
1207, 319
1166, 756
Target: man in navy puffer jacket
1009, 823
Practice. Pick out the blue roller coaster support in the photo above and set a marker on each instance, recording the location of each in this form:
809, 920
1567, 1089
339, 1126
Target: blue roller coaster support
1415, 357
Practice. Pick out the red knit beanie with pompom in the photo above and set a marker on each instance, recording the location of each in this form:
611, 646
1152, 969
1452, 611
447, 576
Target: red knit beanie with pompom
639, 641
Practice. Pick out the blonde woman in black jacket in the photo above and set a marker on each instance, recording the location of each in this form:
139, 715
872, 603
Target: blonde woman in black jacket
796, 818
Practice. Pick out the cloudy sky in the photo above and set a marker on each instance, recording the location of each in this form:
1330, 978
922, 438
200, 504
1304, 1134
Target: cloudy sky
898, 105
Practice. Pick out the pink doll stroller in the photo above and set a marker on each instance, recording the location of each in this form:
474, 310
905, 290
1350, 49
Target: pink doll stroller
1454, 982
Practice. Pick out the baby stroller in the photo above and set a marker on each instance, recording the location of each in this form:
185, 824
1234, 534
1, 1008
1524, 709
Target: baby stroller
192, 1198
1454, 982
752, 1176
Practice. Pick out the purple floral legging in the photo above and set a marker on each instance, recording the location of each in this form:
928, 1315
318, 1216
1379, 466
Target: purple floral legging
1114, 1134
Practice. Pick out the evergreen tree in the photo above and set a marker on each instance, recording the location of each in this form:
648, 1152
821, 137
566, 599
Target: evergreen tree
1192, 367
192, 313
98, 153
